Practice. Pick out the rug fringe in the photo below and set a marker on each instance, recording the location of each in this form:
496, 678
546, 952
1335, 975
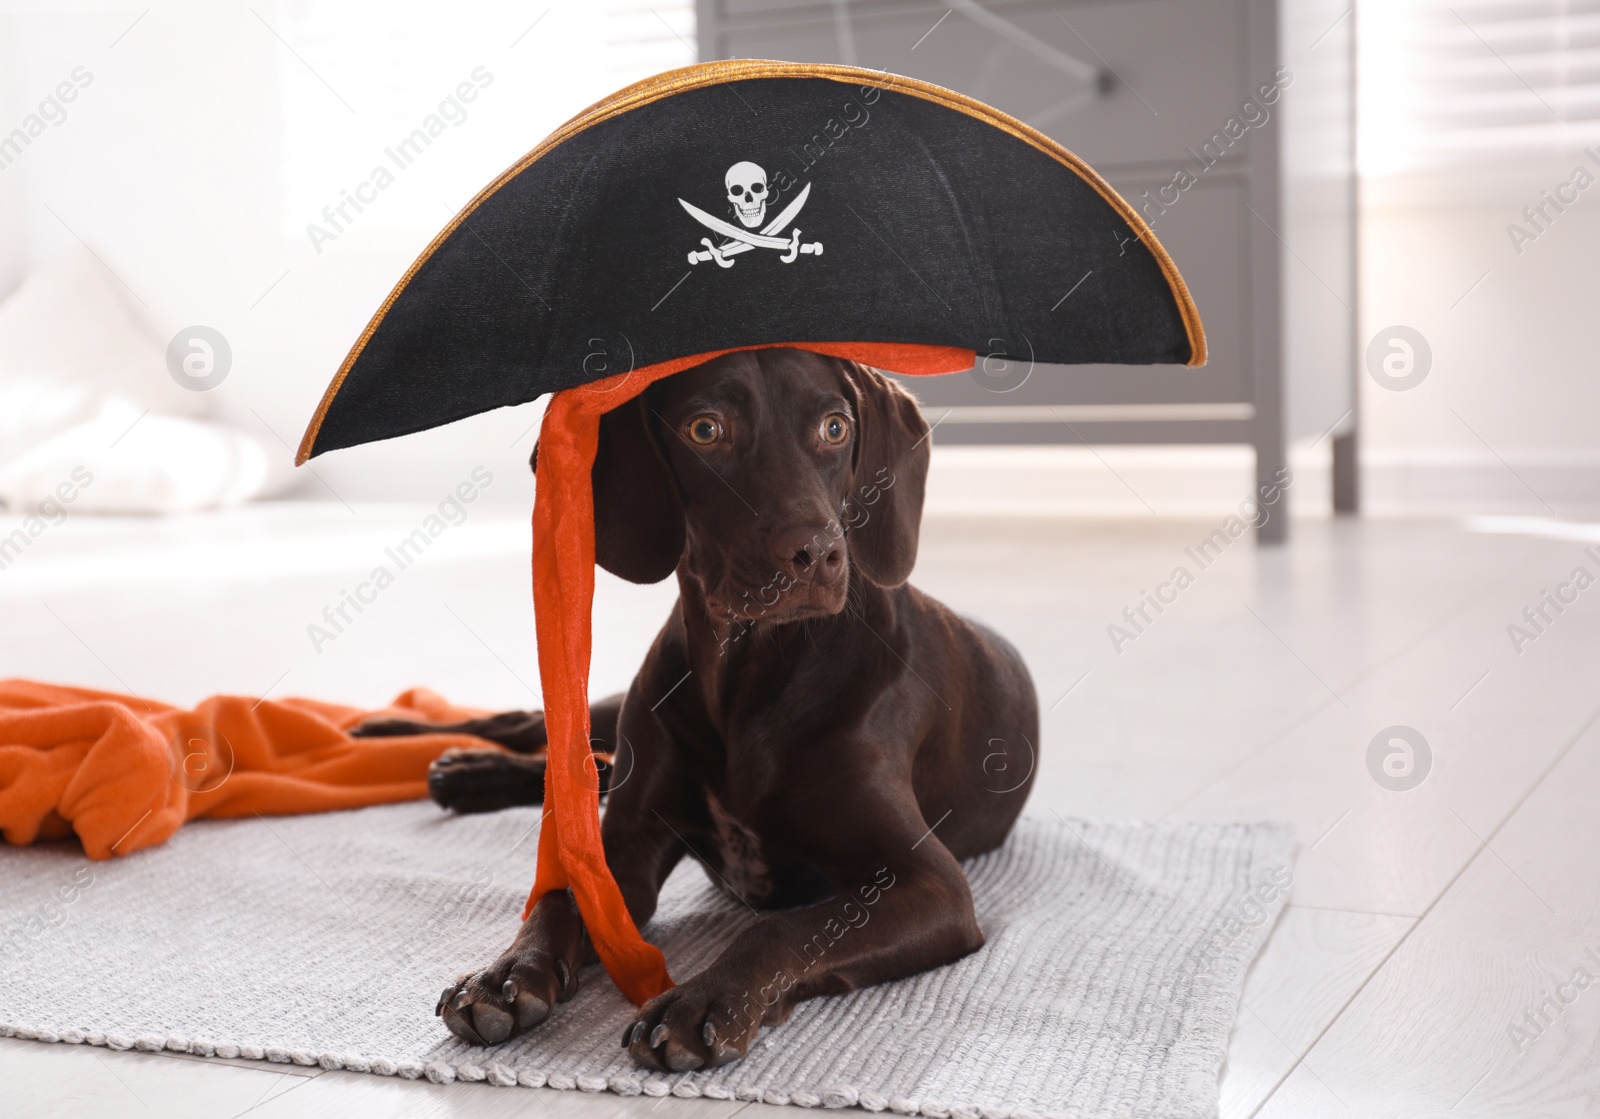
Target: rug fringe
504, 1076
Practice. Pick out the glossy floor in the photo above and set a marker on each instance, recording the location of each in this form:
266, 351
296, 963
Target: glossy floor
1363, 683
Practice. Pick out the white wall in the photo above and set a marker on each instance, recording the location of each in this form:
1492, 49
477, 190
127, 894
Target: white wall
211, 135
1507, 416
1468, 113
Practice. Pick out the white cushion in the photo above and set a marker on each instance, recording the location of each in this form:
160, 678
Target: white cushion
77, 369
138, 464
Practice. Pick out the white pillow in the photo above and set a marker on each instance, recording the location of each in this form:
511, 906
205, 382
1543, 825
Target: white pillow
69, 340
78, 370
124, 462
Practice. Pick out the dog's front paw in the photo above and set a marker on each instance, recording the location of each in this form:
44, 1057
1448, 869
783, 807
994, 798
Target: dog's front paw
485, 780
509, 997
703, 1023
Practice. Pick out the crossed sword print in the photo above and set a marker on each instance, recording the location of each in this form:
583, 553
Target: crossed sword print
744, 240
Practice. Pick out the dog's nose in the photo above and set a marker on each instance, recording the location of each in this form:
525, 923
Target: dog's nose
815, 552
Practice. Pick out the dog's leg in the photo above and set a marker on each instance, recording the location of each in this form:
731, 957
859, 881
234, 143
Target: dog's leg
516, 992
521, 732
910, 912
488, 780
470, 781
541, 967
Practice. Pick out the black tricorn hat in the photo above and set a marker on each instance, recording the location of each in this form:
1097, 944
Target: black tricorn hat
735, 205
749, 203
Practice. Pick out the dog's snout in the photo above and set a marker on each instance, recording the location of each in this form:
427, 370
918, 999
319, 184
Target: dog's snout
813, 551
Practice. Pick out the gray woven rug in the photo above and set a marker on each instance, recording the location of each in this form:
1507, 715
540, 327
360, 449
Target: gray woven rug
1108, 987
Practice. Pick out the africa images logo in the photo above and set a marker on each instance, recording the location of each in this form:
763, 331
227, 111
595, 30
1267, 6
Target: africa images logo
748, 192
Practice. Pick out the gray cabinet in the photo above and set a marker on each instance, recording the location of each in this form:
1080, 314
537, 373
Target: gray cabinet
1153, 93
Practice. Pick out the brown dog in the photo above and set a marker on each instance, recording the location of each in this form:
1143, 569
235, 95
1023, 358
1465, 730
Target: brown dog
826, 740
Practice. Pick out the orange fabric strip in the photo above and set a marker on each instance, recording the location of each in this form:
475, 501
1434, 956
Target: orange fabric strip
124, 773
570, 852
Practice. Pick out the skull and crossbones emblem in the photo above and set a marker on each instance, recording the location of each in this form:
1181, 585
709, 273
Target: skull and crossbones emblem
748, 193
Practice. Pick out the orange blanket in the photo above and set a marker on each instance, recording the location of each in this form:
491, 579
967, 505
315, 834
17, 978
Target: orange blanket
124, 772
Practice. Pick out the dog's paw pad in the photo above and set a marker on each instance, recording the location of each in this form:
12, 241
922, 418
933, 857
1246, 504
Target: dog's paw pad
491, 1023
700, 1024
680, 1059
509, 997
528, 1007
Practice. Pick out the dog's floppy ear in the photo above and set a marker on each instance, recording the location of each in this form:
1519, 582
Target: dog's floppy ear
638, 515
883, 512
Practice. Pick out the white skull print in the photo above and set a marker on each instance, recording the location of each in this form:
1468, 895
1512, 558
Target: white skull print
747, 191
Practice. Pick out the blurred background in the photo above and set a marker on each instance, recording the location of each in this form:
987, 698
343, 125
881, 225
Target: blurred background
169, 167
1383, 490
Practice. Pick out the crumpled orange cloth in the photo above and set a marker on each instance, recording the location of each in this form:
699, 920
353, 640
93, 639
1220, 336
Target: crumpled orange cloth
125, 772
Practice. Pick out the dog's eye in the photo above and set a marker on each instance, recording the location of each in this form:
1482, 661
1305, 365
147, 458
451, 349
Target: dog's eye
835, 428
705, 430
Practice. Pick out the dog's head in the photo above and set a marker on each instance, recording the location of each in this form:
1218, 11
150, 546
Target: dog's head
768, 475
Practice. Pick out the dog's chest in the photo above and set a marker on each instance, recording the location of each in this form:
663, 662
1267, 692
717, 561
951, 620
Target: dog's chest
745, 871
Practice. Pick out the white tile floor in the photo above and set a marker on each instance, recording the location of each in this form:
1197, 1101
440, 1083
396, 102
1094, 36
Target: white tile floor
1423, 923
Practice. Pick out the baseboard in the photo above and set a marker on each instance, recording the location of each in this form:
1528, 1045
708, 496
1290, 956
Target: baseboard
1201, 481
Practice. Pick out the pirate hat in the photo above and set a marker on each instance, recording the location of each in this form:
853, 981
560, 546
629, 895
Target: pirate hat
729, 206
